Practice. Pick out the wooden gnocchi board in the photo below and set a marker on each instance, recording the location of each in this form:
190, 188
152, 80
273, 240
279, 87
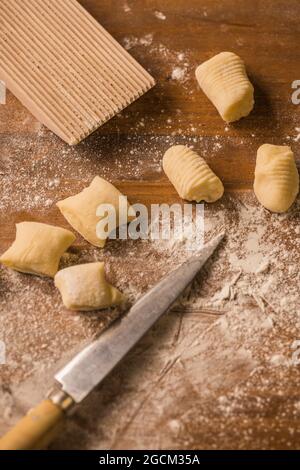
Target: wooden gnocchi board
217, 371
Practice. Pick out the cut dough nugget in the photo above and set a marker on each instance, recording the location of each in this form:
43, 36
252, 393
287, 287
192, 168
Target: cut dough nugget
84, 287
191, 176
80, 210
37, 248
224, 80
276, 182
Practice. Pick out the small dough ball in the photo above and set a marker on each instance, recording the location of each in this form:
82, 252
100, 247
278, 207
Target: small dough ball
84, 287
80, 210
37, 248
276, 182
224, 80
191, 176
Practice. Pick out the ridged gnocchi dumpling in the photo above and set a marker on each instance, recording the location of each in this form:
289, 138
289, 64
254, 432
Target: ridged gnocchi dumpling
84, 287
37, 248
276, 182
190, 175
224, 80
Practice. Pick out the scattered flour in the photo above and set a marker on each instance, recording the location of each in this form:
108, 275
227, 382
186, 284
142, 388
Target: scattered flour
178, 73
256, 253
159, 15
257, 267
126, 7
297, 138
132, 41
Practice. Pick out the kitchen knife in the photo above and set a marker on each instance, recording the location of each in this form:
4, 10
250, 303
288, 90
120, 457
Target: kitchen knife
88, 368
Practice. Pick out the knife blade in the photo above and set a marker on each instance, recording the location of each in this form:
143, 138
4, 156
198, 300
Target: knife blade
88, 368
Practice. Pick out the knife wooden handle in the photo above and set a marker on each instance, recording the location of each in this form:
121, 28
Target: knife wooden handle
36, 430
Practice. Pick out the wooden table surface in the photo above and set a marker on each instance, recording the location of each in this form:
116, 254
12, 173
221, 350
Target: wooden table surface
217, 371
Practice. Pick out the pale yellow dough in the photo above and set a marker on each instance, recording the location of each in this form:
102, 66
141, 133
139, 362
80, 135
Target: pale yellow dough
37, 248
224, 80
84, 287
80, 210
276, 182
191, 176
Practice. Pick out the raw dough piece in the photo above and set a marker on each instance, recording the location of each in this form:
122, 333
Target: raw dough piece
276, 183
224, 81
191, 176
84, 287
37, 248
80, 210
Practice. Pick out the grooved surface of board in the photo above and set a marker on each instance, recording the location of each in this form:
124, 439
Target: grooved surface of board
65, 67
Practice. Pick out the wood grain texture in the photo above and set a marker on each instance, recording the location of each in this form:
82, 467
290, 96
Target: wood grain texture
194, 382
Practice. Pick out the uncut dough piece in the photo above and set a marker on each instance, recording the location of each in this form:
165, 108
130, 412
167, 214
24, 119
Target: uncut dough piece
191, 176
80, 210
276, 182
224, 80
37, 248
84, 287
